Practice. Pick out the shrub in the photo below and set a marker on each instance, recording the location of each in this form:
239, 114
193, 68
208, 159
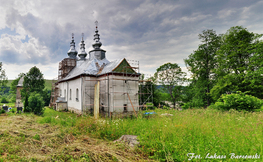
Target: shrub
13, 110
239, 101
27, 109
150, 106
13, 99
2, 111
36, 103
4, 100
166, 107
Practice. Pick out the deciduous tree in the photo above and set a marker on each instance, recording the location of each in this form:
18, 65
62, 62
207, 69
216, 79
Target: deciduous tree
201, 64
33, 81
239, 59
170, 76
3, 77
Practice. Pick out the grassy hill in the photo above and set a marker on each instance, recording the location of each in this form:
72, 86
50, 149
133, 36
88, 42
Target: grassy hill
9, 82
48, 83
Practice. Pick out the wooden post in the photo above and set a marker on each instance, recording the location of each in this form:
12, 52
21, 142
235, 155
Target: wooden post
132, 104
96, 100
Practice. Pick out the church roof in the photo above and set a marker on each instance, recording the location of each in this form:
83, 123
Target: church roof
97, 64
20, 82
98, 67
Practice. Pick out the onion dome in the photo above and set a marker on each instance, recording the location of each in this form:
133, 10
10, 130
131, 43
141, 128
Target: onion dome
72, 53
97, 52
82, 53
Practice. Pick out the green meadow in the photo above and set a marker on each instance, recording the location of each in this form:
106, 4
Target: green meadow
170, 135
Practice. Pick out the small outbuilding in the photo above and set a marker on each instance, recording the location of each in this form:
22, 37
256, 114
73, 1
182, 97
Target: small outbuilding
19, 87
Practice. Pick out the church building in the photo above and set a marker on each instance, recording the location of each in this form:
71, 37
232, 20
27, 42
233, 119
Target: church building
87, 81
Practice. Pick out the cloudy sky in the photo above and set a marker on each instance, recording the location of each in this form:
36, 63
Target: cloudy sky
154, 32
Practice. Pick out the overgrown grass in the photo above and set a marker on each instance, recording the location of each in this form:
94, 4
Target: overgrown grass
64, 136
65, 119
23, 138
171, 138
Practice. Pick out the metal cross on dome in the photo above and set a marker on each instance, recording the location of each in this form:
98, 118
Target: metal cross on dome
96, 23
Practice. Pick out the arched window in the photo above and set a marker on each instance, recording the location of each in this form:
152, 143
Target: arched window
70, 94
77, 94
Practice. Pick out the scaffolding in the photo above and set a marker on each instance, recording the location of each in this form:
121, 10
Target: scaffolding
54, 93
145, 93
65, 66
125, 88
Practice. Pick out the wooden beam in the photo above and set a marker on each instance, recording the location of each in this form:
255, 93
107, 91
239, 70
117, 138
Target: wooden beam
96, 100
132, 104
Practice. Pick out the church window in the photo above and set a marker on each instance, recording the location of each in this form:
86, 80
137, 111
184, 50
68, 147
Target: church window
77, 94
70, 94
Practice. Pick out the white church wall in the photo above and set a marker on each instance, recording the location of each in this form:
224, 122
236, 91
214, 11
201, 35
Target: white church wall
114, 84
74, 99
62, 88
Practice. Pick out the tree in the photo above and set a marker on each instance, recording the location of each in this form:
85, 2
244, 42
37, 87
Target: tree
46, 96
3, 78
239, 58
26, 107
201, 64
170, 76
33, 82
36, 103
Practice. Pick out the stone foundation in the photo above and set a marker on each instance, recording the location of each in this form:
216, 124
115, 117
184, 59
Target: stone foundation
61, 106
72, 109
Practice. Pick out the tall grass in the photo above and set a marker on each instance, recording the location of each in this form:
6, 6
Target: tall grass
64, 119
171, 138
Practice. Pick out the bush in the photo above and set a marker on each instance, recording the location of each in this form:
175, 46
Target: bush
166, 107
36, 103
4, 100
27, 109
13, 110
2, 111
239, 101
13, 99
150, 106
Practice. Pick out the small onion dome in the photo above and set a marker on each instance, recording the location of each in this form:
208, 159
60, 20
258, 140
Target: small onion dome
82, 53
72, 53
97, 43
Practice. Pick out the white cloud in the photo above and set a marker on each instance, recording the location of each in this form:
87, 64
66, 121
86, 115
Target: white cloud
12, 70
153, 32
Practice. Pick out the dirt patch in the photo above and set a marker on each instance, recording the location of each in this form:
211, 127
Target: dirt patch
23, 139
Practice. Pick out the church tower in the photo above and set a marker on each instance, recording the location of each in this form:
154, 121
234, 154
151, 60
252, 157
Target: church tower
97, 52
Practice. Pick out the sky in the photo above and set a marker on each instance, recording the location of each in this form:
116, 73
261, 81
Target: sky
152, 32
